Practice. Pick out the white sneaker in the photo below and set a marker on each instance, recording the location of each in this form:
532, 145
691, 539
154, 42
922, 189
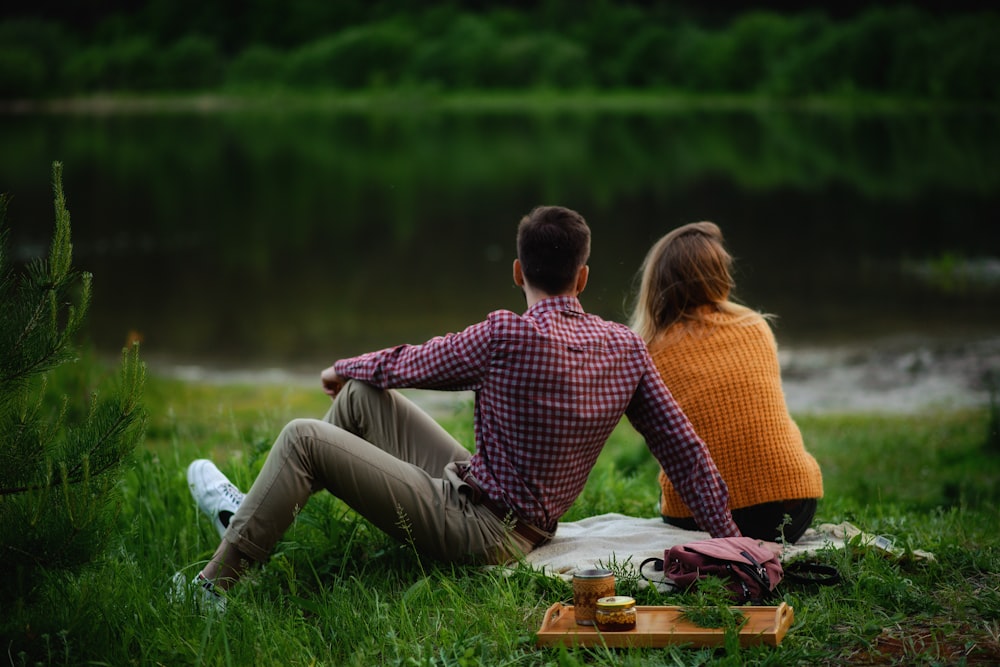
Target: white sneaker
199, 592
213, 492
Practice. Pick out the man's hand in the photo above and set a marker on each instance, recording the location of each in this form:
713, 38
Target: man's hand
332, 383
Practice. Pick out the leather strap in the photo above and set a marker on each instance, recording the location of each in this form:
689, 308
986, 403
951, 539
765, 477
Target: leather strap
518, 525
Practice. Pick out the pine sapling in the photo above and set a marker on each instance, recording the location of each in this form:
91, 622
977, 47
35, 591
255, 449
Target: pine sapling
60, 462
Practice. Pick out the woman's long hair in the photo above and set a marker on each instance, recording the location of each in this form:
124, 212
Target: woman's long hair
686, 275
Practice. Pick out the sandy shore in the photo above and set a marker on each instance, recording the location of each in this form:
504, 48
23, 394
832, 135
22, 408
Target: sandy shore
892, 376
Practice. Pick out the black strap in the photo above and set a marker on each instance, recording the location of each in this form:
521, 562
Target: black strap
815, 574
657, 567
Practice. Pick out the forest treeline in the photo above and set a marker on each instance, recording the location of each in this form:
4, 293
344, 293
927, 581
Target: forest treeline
310, 45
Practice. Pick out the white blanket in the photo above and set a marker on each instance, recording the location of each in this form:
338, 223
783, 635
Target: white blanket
625, 541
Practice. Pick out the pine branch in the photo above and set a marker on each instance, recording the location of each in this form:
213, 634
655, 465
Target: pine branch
46, 360
134, 377
61, 252
52, 279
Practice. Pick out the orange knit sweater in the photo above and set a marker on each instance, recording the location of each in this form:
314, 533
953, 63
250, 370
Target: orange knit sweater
726, 377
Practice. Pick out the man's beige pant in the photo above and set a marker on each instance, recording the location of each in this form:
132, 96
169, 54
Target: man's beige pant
390, 462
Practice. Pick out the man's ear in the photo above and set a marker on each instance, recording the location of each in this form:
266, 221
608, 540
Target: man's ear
518, 273
581, 278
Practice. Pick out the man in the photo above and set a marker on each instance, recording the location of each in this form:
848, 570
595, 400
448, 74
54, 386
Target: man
550, 386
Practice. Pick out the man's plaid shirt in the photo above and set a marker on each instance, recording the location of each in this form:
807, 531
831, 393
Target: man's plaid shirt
550, 386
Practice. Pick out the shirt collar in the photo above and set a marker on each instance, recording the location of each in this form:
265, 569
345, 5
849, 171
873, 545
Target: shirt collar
556, 304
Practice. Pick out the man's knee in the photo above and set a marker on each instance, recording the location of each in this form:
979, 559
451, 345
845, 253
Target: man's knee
354, 401
294, 432
356, 390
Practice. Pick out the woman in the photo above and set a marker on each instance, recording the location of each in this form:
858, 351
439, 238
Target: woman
720, 361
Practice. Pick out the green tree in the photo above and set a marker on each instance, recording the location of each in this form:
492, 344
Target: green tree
191, 63
60, 456
30, 53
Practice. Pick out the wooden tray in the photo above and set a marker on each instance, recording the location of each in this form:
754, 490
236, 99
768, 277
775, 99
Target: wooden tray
656, 627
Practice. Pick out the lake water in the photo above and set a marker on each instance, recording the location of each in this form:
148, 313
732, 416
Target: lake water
246, 241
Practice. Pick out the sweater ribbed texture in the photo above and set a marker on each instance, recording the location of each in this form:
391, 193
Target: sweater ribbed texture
726, 377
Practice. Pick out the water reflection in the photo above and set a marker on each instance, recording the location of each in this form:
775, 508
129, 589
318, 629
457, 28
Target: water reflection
291, 239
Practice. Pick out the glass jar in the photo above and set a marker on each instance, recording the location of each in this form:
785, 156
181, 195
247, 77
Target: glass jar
589, 586
615, 614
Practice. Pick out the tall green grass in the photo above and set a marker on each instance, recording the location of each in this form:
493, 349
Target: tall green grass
339, 592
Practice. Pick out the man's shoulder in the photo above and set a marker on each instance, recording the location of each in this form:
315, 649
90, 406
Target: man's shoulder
621, 329
590, 326
503, 316
618, 330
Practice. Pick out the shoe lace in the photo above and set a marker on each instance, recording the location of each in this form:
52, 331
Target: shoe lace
232, 493
206, 585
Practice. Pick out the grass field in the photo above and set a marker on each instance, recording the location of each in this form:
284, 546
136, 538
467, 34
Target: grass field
338, 592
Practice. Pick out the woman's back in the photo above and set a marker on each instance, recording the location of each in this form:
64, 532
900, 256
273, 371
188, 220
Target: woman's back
723, 370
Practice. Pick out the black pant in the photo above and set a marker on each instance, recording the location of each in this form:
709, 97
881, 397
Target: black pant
763, 522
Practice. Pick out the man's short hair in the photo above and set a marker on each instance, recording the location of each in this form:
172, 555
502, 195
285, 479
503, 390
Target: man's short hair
553, 242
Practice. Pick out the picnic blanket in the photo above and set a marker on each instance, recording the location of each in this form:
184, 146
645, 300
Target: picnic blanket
625, 541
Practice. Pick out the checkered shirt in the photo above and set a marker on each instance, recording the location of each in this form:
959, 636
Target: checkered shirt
550, 387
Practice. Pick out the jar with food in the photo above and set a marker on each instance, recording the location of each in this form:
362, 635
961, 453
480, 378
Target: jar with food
615, 614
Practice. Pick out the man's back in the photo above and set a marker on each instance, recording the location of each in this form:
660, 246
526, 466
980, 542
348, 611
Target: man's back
556, 382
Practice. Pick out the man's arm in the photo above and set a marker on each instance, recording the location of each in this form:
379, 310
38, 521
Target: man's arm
453, 362
684, 456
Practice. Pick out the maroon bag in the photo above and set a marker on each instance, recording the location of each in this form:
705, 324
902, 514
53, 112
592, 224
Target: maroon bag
750, 570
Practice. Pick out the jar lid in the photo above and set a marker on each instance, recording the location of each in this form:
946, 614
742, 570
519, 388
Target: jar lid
596, 573
616, 602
